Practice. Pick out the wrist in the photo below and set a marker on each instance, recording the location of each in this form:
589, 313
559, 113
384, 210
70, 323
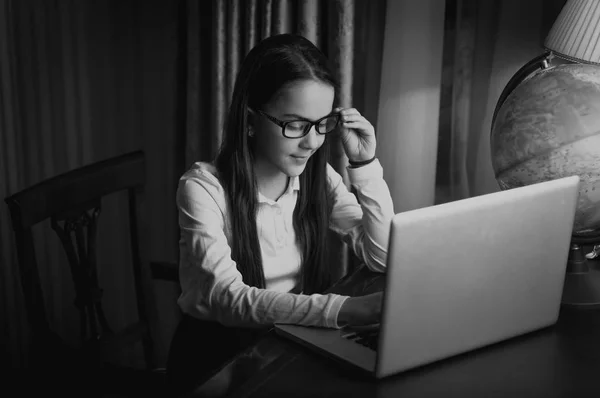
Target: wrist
359, 163
345, 313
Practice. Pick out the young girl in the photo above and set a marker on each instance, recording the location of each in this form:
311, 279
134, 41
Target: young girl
253, 247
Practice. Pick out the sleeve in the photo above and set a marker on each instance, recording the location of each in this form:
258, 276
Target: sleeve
212, 287
364, 227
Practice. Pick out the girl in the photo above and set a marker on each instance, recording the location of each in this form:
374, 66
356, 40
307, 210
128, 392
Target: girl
253, 247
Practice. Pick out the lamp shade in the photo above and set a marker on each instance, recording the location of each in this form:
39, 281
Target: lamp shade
575, 34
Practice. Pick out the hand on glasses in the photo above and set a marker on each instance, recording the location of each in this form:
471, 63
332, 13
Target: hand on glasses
358, 135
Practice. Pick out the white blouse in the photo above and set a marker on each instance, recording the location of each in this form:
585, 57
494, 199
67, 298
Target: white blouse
212, 287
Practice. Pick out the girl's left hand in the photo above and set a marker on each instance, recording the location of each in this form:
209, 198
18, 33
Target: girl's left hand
358, 135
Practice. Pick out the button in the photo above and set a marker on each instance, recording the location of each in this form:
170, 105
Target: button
279, 211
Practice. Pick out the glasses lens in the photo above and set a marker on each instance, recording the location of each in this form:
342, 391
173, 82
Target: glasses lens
295, 129
327, 125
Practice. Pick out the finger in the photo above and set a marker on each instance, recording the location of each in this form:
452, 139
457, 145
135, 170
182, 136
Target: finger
351, 124
357, 124
350, 111
353, 118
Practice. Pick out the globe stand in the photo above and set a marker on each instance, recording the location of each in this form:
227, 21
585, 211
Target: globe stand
581, 289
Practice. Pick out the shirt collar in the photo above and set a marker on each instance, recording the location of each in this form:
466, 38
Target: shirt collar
293, 185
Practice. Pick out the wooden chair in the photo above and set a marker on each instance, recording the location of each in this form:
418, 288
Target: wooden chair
72, 203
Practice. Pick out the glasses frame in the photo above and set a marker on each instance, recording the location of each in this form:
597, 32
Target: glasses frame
283, 124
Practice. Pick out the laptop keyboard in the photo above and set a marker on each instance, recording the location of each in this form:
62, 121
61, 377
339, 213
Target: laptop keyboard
368, 339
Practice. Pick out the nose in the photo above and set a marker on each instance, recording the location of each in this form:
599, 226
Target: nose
312, 140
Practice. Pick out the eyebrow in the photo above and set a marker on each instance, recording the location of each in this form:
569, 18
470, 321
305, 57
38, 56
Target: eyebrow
304, 118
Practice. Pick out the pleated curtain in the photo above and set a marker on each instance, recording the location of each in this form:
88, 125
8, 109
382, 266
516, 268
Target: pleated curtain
44, 130
81, 81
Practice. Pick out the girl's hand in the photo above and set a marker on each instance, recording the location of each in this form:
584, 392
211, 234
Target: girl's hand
362, 310
358, 135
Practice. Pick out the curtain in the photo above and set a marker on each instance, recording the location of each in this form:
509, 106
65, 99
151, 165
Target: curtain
84, 81
486, 43
80, 82
220, 33
44, 109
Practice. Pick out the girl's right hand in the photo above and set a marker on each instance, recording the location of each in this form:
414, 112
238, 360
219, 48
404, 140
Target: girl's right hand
362, 310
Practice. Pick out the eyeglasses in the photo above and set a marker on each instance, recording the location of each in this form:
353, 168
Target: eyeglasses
299, 128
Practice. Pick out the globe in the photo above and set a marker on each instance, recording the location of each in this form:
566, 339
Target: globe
548, 127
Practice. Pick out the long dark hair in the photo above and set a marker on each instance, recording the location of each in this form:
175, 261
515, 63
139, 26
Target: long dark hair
273, 63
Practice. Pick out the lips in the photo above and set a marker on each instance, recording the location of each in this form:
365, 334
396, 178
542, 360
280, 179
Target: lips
301, 156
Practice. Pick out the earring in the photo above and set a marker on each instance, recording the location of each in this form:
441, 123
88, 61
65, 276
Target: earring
250, 133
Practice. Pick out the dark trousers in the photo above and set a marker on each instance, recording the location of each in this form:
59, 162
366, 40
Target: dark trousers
200, 348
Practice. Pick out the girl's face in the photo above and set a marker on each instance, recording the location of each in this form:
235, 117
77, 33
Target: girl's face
275, 154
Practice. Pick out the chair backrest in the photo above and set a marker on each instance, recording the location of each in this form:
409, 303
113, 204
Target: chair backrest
72, 201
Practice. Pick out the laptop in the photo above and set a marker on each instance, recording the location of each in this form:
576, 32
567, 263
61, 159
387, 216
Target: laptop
461, 276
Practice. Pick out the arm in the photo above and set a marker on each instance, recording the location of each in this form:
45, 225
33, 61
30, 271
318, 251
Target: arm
212, 287
364, 227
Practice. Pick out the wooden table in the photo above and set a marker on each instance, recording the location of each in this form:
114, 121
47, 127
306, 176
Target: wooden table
560, 361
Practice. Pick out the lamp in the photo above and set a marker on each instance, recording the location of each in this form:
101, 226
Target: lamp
575, 35
546, 125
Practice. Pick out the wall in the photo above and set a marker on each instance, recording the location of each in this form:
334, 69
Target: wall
409, 100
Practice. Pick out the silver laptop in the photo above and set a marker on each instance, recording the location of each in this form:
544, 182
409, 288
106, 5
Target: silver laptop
460, 276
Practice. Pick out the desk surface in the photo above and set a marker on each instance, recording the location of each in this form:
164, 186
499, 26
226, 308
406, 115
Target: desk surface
560, 361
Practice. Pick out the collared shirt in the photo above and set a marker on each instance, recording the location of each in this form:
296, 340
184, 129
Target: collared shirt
212, 287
